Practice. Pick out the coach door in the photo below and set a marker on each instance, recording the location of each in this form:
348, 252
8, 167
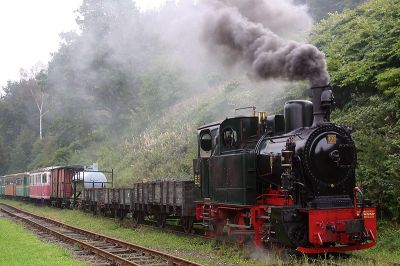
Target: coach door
68, 175
15, 186
62, 180
54, 178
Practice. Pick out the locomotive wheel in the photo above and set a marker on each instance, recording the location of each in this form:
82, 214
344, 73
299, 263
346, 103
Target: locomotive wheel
187, 224
161, 220
217, 226
239, 219
298, 235
122, 214
94, 209
137, 218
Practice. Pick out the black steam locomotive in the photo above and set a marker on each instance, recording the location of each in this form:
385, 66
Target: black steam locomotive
288, 179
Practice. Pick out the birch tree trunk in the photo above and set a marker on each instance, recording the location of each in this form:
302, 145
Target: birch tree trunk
40, 103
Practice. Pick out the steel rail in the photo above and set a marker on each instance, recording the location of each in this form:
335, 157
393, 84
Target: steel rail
103, 253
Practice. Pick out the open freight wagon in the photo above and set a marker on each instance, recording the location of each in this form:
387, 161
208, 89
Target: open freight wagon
157, 200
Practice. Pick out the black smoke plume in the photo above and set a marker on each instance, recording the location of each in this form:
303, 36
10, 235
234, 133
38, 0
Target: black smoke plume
238, 30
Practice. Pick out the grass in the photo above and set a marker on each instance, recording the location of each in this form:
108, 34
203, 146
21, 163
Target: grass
199, 250
20, 247
208, 252
388, 248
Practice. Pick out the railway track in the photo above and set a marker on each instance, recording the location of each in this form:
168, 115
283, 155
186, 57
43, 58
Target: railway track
173, 229
136, 255
113, 250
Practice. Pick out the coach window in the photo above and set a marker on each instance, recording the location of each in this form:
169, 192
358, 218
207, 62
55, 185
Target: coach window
44, 178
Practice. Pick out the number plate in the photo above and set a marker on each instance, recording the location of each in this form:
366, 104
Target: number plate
331, 139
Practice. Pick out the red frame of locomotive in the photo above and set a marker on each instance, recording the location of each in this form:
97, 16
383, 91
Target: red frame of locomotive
324, 225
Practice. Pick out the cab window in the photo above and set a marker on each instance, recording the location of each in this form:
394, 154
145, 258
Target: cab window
229, 137
206, 140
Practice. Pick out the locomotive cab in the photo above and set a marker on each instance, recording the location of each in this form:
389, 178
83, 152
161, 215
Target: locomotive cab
225, 167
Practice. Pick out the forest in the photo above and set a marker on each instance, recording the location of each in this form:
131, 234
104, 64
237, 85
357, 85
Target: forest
129, 90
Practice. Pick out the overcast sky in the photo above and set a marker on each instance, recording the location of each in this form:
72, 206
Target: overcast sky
29, 31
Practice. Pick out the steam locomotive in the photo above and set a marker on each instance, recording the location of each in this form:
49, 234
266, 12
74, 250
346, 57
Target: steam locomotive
286, 179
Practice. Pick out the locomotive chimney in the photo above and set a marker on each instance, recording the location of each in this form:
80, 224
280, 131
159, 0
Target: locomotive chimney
322, 99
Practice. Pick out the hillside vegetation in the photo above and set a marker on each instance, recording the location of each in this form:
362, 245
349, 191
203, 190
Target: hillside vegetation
133, 106
363, 51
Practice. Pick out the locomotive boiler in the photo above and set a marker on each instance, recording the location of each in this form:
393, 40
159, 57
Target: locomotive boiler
286, 179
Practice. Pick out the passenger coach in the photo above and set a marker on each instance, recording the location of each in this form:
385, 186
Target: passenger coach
40, 187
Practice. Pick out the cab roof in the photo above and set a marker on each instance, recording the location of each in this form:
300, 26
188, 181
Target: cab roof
217, 123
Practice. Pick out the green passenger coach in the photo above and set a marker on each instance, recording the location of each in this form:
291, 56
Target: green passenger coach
2, 185
22, 184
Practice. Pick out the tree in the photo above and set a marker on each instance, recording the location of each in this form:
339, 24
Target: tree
362, 48
101, 67
363, 52
41, 97
161, 88
18, 128
322, 9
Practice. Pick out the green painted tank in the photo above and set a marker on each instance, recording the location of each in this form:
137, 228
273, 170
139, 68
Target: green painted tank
225, 166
